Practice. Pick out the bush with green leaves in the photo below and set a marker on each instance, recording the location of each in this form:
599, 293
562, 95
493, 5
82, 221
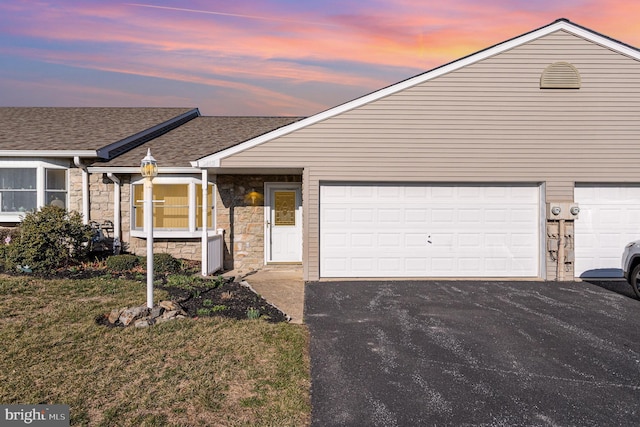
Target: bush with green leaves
7, 235
49, 239
123, 262
164, 263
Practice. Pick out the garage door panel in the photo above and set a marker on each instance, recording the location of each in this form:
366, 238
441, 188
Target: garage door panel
415, 215
441, 266
390, 240
469, 265
496, 215
430, 231
470, 241
334, 241
609, 219
470, 216
440, 216
362, 240
522, 241
388, 216
337, 216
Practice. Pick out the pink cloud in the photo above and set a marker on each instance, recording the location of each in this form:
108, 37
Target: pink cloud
252, 49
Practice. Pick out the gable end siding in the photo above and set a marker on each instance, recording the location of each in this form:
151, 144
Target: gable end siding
486, 122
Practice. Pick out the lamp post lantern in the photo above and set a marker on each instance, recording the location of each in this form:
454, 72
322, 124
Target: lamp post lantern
149, 169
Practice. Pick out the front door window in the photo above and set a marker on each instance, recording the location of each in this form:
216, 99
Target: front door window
285, 208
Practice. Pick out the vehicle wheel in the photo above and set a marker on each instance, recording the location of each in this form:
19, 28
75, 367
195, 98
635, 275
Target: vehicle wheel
634, 280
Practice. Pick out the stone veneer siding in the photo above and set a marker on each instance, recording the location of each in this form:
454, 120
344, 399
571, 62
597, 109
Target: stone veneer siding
242, 221
75, 190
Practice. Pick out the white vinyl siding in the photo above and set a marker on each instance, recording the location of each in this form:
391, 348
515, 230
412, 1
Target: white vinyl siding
486, 122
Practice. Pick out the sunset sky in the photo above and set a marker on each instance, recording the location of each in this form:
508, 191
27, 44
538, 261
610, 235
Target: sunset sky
257, 57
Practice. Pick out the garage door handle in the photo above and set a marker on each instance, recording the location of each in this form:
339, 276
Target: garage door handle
429, 240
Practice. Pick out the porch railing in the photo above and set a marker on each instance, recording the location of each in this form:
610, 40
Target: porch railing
215, 251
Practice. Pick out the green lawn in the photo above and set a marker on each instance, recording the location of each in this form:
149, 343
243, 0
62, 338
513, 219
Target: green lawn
208, 371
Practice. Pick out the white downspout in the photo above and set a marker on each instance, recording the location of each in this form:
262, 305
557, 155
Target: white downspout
205, 221
116, 210
85, 189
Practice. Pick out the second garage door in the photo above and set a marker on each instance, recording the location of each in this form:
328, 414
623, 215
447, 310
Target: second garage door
609, 219
429, 230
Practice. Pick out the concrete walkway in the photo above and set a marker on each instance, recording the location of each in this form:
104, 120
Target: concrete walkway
282, 286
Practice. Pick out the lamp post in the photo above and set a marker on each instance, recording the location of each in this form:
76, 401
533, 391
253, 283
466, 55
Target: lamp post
149, 169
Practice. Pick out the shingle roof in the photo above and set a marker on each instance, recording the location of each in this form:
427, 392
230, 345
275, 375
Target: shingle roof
83, 128
199, 137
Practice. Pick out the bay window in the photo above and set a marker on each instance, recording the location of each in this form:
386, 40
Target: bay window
177, 207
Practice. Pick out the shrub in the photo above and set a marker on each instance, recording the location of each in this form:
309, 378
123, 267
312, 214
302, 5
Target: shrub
49, 239
124, 262
165, 263
8, 234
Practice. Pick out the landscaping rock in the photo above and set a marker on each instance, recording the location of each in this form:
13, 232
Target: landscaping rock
169, 305
133, 313
142, 317
115, 315
170, 314
142, 323
234, 299
157, 311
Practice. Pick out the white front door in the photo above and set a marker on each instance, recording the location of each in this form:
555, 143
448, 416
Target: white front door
283, 231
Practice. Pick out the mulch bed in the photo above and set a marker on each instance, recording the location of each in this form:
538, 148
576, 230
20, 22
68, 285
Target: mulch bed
229, 299
236, 299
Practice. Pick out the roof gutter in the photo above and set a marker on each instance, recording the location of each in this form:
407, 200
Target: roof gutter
136, 169
85, 188
48, 153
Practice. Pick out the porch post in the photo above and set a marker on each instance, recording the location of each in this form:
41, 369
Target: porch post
205, 221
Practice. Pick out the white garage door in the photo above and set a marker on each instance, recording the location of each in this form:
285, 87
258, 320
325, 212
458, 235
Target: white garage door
429, 231
609, 219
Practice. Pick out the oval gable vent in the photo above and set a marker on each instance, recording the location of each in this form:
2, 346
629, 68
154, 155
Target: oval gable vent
560, 75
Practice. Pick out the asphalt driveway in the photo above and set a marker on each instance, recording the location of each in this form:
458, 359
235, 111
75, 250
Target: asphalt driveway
473, 353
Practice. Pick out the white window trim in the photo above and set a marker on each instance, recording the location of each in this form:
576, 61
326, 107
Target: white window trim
41, 182
192, 232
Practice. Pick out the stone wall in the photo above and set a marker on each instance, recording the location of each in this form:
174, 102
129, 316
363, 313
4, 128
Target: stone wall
242, 218
75, 190
180, 248
102, 198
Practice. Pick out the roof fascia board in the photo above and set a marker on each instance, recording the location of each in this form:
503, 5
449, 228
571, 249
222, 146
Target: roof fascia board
214, 160
136, 170
48, 153
112, 150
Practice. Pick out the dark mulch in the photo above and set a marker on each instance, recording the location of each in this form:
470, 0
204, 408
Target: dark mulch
209, 298
231, 299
